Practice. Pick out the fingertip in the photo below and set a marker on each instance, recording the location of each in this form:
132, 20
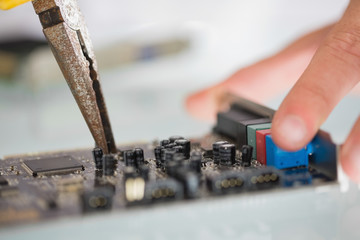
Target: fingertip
201, 105
289, 132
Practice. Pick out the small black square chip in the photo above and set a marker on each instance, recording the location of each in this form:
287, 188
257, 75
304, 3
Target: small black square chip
52, 165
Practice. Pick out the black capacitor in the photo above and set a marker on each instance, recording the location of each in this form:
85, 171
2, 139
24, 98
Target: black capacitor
109, 164
195, 161
139, 157
227, 154
97, 154
216, 146
186, 146
129, 158
168, 155
164, 142
246, 154
179, 149
157, 153
174, 138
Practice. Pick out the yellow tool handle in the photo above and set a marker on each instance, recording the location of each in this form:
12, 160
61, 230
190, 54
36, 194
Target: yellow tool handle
7, 4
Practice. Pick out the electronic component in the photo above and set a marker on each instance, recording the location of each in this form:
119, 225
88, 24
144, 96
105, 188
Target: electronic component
3, 181
163, 190
157, 153
297, 177
174, 138
52, 165
216, 146
109, 164
98, 154
189, 180
227, 154
195, 161
226, 182
281, 159
134, 189
129, 158
267, 178
251, 135
246, 153
98, 199
261, 145
185, 144
139, 157
234, 122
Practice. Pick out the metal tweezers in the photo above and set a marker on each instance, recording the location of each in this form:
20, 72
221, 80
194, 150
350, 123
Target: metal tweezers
66, 32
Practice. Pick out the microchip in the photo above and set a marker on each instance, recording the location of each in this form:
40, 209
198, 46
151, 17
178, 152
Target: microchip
52, 166
3, 181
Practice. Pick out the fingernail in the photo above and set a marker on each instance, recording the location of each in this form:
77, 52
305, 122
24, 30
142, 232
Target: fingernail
293, 129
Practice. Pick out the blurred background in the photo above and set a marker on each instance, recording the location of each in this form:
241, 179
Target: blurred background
151, 55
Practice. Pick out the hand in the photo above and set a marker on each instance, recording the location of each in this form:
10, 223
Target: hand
332, 72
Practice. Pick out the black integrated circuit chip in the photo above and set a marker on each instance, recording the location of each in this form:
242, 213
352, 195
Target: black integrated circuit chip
52, 165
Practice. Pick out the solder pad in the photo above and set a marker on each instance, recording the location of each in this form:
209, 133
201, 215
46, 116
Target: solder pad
52, 165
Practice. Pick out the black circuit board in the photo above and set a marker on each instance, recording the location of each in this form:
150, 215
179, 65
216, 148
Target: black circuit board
40, 187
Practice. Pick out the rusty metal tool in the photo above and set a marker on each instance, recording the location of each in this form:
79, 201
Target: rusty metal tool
66, 32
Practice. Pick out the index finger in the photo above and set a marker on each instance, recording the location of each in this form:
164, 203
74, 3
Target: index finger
331, 74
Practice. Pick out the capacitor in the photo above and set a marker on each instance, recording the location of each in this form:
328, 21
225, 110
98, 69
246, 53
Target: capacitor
168, 155
157, 153
109, 164
246, 154
216, 146
227, 154
186, 146
174, 138
195, 161
164, 142
139, 157
129, 158
170, 145
97, 154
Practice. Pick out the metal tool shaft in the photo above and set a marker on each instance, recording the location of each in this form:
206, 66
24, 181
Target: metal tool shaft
67, 35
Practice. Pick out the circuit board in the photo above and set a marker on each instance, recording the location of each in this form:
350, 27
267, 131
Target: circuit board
46, 186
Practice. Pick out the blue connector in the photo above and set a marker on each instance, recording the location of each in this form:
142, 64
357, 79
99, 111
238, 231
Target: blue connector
281, 159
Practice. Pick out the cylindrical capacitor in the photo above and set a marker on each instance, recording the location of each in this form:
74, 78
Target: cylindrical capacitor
227, 154
186, 146
216, 146
97, 154
164, 142
109, 164
195, 161
129, 158
139, 157
157, 153
170, 145
174, 138
168, 155
246, 155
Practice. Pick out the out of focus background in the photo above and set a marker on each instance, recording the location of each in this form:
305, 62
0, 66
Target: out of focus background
151, 55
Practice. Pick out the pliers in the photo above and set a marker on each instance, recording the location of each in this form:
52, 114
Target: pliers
66, 32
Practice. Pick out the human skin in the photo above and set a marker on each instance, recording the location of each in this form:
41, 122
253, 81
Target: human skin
321, 67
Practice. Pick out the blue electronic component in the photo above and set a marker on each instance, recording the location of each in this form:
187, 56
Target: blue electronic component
297, 177
281, 159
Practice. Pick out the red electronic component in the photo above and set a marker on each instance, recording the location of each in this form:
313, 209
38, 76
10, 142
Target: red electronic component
261, 145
